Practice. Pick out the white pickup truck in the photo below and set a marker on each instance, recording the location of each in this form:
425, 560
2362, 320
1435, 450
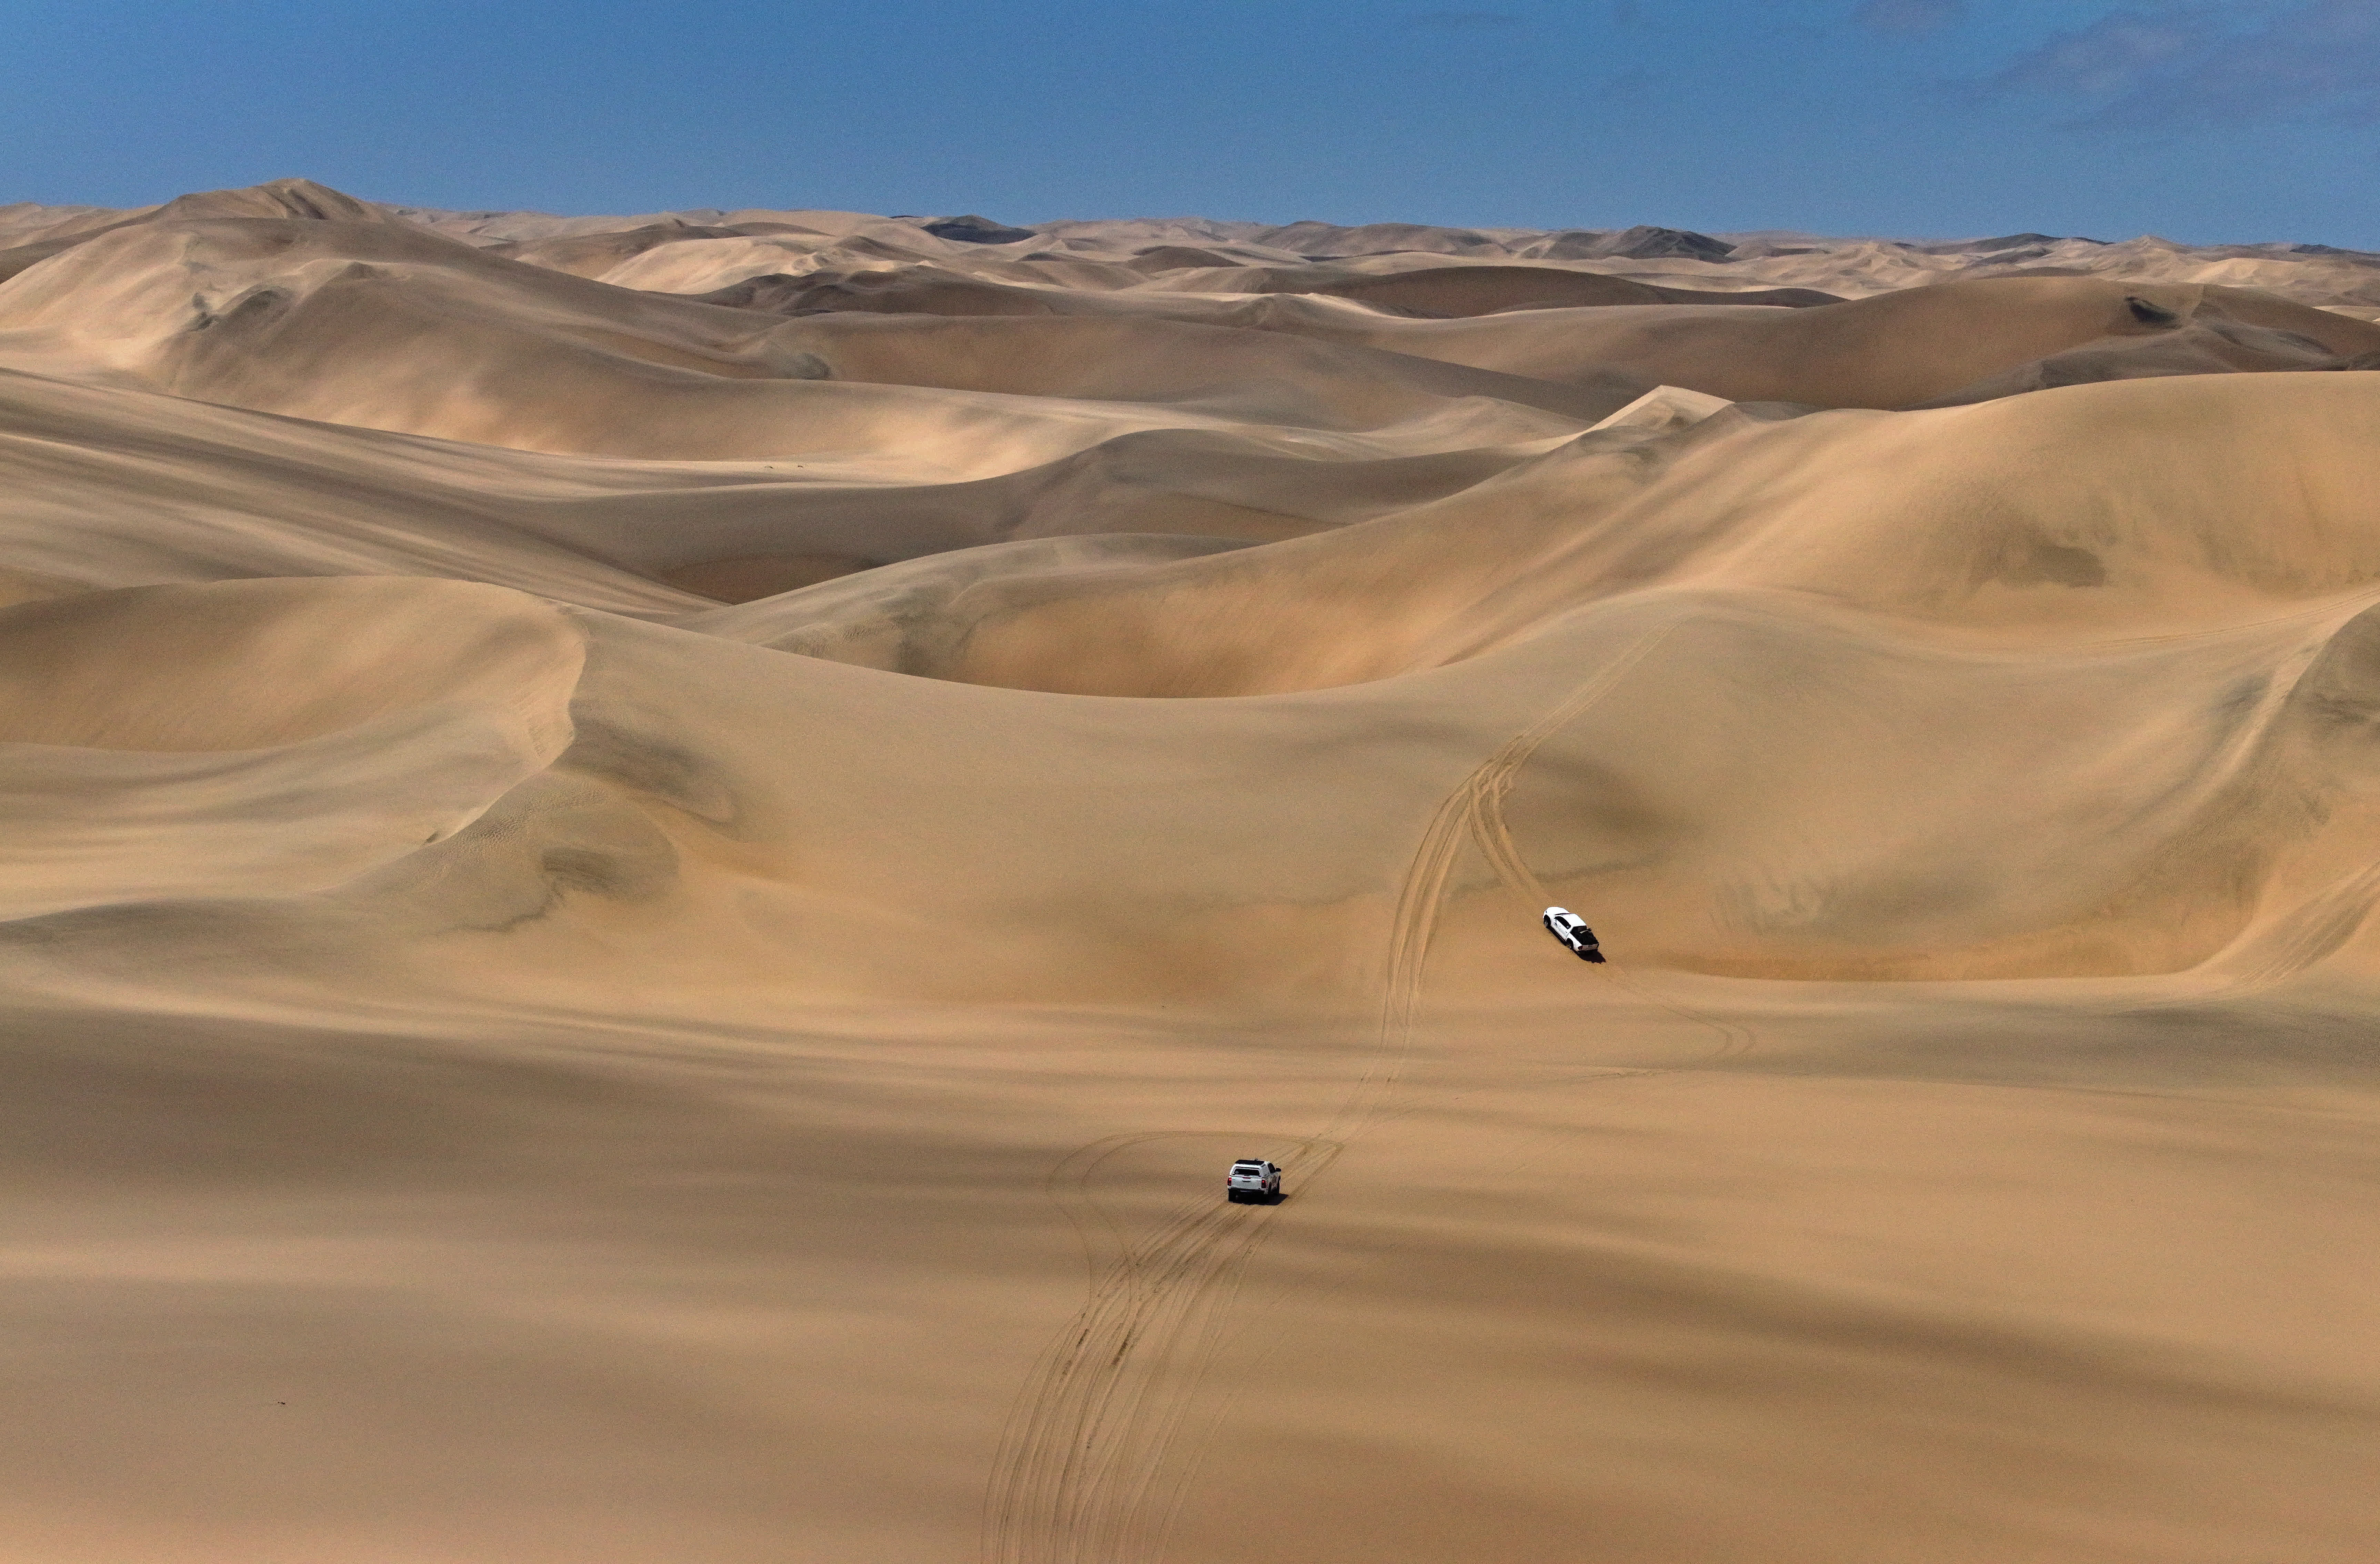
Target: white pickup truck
1571, 930
1252, 1181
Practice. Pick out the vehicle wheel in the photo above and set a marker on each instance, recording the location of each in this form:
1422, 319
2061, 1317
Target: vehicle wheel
1237, 1198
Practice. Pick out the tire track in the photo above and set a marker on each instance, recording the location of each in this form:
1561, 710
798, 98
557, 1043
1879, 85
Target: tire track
1082, 1477
1084, 1459
1486, 815
1461, 816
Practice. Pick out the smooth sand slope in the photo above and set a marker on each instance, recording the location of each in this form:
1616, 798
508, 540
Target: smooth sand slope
643, 900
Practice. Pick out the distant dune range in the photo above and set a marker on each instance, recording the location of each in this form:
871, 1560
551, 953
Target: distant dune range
653, 863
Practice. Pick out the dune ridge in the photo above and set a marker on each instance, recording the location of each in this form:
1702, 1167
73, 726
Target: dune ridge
655, 860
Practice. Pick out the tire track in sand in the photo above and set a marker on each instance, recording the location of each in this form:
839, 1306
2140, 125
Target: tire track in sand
1486, 818
1084, 1475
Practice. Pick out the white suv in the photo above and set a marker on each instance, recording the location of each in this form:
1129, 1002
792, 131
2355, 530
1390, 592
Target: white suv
1572, 931
1252, 1181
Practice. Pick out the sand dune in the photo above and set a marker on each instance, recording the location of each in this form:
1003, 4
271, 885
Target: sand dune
655, 860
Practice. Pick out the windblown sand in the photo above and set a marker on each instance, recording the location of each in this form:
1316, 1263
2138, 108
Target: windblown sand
653, 864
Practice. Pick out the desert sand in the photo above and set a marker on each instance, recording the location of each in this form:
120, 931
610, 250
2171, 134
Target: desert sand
654, 862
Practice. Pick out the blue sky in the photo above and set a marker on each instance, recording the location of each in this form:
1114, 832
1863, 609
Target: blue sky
2229, 121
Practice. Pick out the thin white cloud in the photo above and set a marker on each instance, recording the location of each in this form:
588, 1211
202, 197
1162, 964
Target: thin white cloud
2212, 64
